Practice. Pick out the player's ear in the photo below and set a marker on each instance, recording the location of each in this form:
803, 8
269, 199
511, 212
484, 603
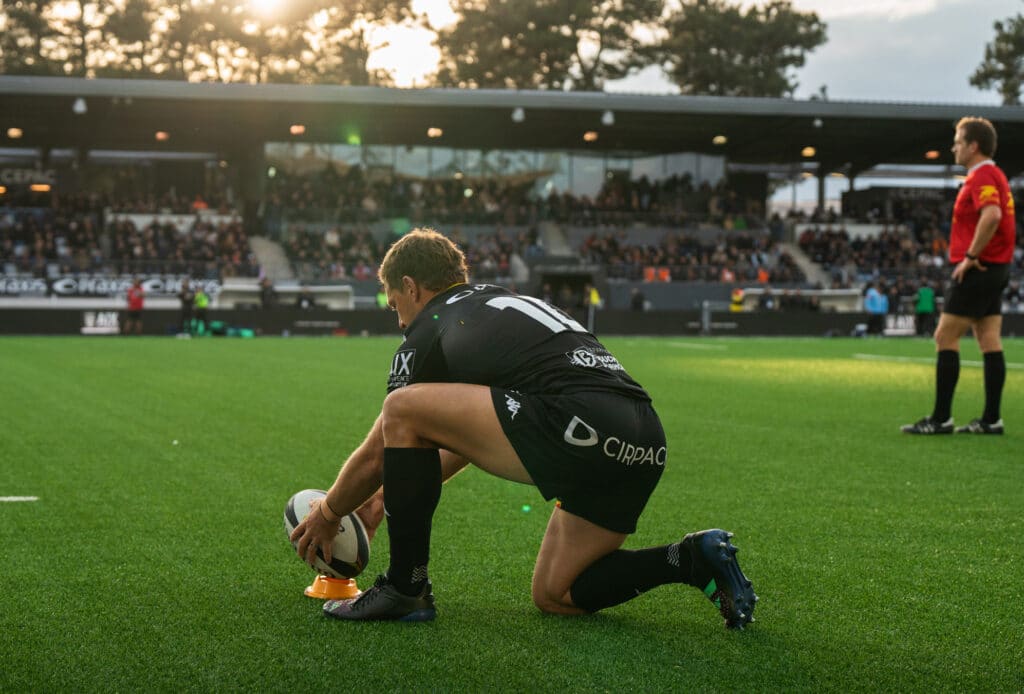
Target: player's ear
410, 285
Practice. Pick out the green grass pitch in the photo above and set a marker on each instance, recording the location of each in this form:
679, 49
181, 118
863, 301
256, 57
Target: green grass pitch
884, 562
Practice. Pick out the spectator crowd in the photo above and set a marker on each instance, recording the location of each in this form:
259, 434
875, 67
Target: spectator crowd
353, 196
329, 226
71, 239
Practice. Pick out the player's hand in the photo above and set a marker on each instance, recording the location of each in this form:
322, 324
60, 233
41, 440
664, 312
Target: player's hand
964, 265
313, 533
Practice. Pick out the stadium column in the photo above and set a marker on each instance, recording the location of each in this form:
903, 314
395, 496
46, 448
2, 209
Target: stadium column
251, 167
822, 174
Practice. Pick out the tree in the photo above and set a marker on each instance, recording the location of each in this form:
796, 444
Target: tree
344, 43
1003, 67
222, 40
24, 34
547, 44
131, 33
712, 47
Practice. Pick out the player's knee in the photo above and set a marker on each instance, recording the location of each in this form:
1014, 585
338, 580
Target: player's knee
946, 338
545, 602
551, 602
398, 418
990, 343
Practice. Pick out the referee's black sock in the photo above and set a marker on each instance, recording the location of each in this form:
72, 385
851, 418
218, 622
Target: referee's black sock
995, 377
623, 575
412, 488
947, 373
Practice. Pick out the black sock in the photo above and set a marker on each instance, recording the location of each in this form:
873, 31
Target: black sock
412, 488
995, 377
625, 574
947, 373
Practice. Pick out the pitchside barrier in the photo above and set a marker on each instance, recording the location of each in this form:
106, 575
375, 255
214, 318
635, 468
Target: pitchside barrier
244, 292
288, 321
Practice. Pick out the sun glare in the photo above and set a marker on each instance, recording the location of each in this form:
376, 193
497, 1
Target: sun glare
266, 8
406, 53
439, 12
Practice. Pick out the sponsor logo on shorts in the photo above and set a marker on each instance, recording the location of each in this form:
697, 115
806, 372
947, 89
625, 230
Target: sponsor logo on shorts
513, 405
579, 433
401, 368
592, 360
632, 454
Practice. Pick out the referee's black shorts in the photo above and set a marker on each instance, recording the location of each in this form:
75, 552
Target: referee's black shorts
981, 292
600, 454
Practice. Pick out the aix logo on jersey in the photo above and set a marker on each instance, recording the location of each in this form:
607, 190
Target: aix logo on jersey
401, 368
591, 360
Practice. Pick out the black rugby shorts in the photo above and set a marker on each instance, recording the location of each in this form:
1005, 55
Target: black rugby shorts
600, 454
981, 292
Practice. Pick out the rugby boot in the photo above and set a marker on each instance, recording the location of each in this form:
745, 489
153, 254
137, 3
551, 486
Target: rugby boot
716, 571
384, 602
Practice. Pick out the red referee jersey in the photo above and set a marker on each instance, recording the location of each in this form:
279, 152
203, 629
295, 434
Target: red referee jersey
986, 184
135, 296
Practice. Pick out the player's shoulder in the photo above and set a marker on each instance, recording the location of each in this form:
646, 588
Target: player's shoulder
987, 174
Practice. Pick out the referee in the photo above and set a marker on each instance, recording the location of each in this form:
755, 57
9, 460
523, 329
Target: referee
981, 246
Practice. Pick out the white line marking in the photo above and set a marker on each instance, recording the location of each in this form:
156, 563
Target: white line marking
19, 498
690, 345
925, 360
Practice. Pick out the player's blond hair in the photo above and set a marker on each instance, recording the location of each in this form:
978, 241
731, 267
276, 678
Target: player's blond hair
428, 257
979, 130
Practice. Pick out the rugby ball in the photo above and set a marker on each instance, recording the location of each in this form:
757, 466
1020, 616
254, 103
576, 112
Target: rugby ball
350, 550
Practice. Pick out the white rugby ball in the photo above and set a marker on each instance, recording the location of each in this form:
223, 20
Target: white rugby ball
350, 551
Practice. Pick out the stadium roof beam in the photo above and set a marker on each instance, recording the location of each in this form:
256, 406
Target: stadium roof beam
124, 114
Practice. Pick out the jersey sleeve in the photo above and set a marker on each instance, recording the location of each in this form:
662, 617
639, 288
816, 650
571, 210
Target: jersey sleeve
986, 190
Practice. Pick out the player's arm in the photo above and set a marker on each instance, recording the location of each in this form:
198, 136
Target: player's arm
357, 487
988, 223
357, 481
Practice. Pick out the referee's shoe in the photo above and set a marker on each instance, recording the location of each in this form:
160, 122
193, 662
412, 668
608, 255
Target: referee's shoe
927, 426
980, 426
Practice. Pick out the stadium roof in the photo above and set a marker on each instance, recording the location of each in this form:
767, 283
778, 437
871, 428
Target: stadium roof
234, 118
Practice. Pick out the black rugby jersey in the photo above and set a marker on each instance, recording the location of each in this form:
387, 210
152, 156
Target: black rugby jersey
490, 336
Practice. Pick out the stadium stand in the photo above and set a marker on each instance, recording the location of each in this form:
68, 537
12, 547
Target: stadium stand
73, 239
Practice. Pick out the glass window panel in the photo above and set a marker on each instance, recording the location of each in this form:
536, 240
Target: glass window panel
442, 162
347, 155
554, 170
412, 161
587, 175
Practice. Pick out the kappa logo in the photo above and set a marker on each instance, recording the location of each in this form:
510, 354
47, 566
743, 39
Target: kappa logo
401, 366
513, 405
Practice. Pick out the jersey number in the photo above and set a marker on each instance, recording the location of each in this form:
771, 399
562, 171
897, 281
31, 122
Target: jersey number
538, 311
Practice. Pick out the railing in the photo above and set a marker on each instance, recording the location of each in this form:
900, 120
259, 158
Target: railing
278, 220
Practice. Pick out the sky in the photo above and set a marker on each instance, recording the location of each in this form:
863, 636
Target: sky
903, 50
877, 50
